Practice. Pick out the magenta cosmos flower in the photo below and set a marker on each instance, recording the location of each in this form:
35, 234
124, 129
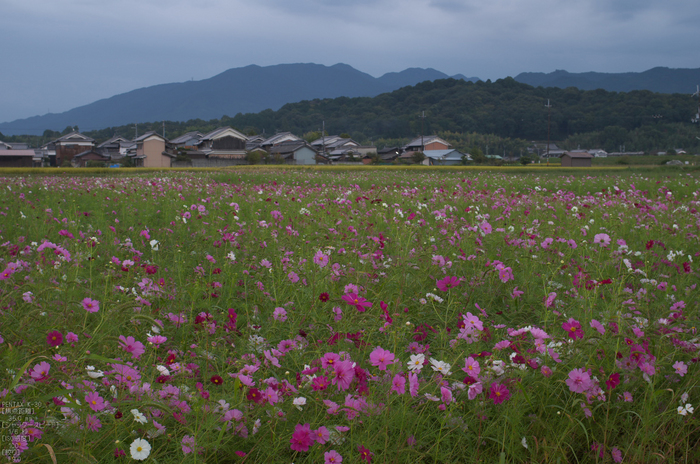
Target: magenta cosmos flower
91, 306
357, 301
54, 338
447, 283
302, 439
573, 328
498, 393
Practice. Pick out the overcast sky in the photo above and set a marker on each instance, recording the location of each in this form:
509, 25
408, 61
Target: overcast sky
59, 54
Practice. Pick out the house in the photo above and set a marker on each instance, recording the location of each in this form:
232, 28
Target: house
14, 146
81, 159
428, 142
117, 145
389, 154
333, 142
294, 152
278, 138
17, 158
576, 159
449, 157
70, 145
153, 151
188, 140
598, 153
223, 143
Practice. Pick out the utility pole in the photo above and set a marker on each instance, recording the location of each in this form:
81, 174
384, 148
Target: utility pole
549, 121
136, 129
163, 129
323, 138
422, 118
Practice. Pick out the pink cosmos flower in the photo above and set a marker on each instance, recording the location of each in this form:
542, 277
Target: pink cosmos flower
302, 439
398, 384
446, 395
357, 301
549, 301
516, 293
598, 326
130, 345
546, 371
475, 390
602, 239
91, 306
573, 328
279, 314
95, 401
329, 360
40, 371
681, 368
616, 454
293, 277
321, 258
343, 375
157, 339
187, 444
485, 227
498, 393
579, 381
413, 384
71, 337
321, 435
381, 358
447, 283
332, 457
93, 423
471, 367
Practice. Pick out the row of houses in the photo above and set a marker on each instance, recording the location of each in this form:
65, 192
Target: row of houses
221, 147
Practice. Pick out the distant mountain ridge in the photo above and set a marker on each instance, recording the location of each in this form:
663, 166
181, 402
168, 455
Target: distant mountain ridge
249, 89
661, 80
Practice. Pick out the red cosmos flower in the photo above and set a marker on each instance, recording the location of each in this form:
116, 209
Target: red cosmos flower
216, 380
613, 381
255, 395
54, 338
447, 283
573, 328
365, 454
357, 301
324, 297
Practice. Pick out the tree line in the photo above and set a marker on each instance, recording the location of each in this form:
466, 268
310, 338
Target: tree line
501, 115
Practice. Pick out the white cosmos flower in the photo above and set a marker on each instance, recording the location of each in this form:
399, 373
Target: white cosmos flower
140, 449
91, 372
440, 366
138, 417
154, 244
416, 362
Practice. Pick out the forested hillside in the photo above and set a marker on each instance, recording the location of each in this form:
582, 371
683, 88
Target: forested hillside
639, 120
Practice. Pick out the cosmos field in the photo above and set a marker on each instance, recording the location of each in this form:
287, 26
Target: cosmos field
351, 316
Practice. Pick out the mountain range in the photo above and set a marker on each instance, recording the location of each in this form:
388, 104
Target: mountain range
249, 89
661, 80
253, 88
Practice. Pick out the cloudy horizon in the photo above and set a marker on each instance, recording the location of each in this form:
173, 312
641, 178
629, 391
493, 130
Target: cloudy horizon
67, 53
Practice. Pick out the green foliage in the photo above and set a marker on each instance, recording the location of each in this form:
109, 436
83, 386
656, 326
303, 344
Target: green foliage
418, 157
253, 157
95, 164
